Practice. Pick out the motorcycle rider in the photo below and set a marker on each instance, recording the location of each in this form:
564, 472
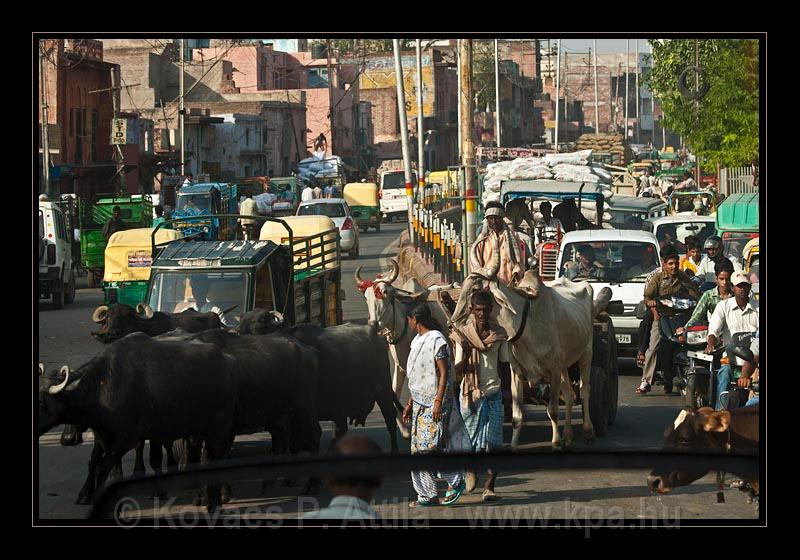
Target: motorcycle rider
738, 314
669, 281
714, 253
748, 370
705, 307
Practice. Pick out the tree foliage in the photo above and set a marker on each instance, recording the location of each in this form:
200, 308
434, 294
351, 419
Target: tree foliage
723, 127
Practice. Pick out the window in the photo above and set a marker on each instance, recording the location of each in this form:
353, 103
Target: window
174, 292
609, 261
247, 171
318, 78
247, 136
264, 136
323, 209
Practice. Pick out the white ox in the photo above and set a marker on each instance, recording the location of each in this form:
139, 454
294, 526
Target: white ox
550, 328
387, 305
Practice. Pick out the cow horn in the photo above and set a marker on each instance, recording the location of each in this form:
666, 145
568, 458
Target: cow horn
144, 310
99, 314
277, 317
41, 369
54, 390
357, 275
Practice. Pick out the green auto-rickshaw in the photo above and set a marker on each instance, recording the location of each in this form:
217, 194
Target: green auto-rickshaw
362, 198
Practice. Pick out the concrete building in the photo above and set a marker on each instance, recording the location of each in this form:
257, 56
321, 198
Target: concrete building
77, 84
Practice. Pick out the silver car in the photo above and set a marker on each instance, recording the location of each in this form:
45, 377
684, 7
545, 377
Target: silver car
338, 211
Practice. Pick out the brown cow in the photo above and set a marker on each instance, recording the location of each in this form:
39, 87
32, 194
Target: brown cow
736, 431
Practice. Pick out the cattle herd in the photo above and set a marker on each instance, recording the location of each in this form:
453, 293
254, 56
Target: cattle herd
184, 378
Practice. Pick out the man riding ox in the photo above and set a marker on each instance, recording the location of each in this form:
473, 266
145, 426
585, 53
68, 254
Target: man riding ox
499, 235
387, 306
549, 328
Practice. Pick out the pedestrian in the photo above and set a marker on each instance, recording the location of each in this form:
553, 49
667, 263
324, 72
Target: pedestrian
160, 219
329, 191
189, 180
351, 494
114, 224
307, 194
249, 208
432, 410
482, 356
317, 192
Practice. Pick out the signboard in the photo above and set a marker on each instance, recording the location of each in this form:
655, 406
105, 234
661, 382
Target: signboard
379, 73
124, 131
139, 259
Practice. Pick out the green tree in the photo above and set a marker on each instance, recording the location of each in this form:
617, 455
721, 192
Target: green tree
723, 126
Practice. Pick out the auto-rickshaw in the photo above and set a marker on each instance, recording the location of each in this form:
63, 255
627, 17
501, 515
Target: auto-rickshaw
364, 204
738, 222
750, 264
683, 202
128, 257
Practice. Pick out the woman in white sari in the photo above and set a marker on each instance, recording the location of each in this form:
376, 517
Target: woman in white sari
432, 410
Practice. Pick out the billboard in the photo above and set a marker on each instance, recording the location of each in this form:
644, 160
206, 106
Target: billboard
379, 73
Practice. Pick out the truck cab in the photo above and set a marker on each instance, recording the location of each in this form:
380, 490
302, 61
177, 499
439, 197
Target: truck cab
56, 267
618, 259
296, 273
392, 193
204, 201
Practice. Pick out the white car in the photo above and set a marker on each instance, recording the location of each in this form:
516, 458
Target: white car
678, 228
338, 211
56, 267
622, 261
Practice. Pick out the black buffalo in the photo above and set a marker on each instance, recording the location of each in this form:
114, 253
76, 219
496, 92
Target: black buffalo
705, 428
139, 388
122, 320
353, 373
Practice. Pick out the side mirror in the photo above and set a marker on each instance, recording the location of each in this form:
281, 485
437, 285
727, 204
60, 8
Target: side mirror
745, 354
641, 310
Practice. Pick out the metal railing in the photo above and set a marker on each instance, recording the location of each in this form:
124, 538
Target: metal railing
734, 180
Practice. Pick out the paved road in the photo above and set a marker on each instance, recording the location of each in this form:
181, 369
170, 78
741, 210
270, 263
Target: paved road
64, 339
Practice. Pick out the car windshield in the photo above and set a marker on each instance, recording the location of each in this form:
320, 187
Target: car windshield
609, 261
204, 291
622, 219
396, 180
677, 232
195, 202
323, 209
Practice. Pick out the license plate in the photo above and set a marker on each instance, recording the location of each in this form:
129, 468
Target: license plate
624, 338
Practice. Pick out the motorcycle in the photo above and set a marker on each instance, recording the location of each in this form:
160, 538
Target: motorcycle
682, 307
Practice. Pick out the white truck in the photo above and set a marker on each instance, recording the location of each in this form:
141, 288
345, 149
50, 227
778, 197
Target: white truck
56, 270
619, 259
392, 188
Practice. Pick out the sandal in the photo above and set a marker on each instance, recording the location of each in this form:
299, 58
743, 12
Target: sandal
453, 495
640, 358
643, 390
421, 503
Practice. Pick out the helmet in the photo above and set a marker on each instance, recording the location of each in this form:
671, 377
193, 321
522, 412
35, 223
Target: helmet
713, 242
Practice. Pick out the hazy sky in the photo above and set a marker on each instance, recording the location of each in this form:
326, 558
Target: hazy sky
604, 46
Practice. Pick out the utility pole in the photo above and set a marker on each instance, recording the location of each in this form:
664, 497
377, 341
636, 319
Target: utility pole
401, 109
638, 124
420, 127
497, 93
697, 102
467, 144
596, 106
182, 111
45, 140
627, 71
458, 93
558, 90
115, 92
330, 94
